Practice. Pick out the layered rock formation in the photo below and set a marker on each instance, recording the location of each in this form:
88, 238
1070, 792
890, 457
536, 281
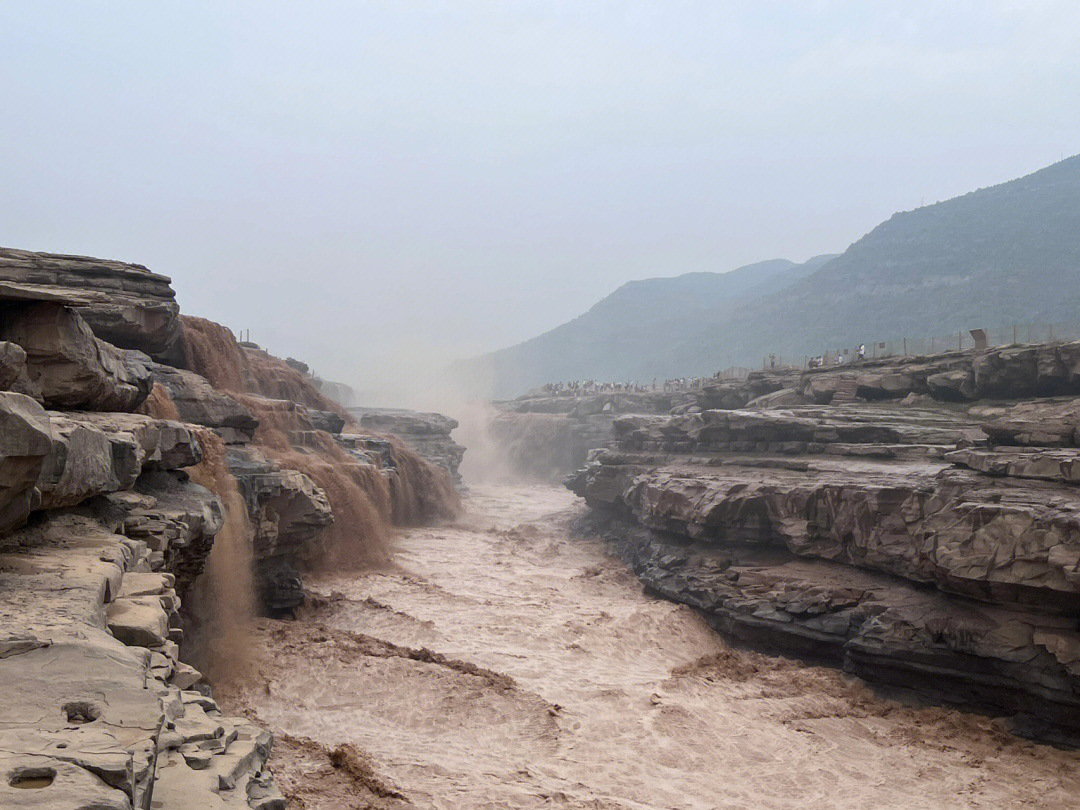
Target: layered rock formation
932, 547
1005, 372
125, 304
96, 711
103, 530
426, 433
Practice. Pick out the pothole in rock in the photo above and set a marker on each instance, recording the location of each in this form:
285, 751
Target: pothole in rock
80, 712
32, 778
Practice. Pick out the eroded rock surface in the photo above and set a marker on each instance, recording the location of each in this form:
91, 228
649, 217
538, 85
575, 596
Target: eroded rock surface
25, 444
96, 453
426, 433
905, 544
287, 509
125, 304
69, 366
200, 403
95, 709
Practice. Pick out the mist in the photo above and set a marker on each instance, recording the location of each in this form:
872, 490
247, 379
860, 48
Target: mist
384, 188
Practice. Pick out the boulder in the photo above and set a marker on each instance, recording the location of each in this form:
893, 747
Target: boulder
69, 365
25, 444
952, 385
199, 403
13, 376
97, 453
125, 304
326, 420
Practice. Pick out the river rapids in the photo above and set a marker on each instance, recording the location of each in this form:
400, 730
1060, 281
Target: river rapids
501, 663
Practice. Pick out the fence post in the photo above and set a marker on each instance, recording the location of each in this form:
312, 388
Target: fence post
905, 347
1051, 340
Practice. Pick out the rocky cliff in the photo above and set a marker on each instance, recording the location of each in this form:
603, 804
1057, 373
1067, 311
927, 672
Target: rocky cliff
932, 546
158, 483
426, 433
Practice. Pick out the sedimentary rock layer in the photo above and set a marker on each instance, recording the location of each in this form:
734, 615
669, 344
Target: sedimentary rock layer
125, 304
426, 433
67, 366
898, 543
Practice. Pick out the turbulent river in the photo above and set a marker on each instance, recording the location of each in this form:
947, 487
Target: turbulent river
502, 664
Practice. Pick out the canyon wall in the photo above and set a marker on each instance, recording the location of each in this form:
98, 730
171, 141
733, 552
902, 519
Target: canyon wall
160, 484
927, 539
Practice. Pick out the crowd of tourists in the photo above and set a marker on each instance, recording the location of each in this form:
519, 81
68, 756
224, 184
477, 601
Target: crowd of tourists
818, 361
577, 388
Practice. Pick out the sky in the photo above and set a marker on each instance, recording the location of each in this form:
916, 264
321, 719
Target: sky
380, 188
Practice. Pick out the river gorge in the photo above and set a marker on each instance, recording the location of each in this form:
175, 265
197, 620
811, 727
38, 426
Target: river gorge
505, 661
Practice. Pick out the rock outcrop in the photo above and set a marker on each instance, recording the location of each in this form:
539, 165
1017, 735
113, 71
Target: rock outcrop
199, 403
68, 366
102, 533
426, 433
287, 509
125, 304
25, 444
96, 453
933, 548
104, 530
1005, 372
96, 710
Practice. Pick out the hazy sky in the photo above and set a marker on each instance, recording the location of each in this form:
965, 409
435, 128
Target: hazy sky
372, 185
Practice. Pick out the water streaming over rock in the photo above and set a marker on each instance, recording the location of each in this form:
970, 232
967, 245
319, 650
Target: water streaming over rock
222, 602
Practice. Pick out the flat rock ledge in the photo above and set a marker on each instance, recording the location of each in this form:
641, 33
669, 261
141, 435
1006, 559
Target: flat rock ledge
426, 433
98, 711
901, 544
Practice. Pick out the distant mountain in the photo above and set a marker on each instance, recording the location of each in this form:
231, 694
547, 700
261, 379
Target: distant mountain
1004, 254
634, 333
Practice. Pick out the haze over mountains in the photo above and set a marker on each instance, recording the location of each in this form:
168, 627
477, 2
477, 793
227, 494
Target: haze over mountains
1004, 254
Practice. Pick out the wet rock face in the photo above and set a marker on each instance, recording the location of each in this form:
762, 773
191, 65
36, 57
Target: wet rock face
69, 366
200, 403
900, 543
125, 304
984, 657
287, 510
426, 433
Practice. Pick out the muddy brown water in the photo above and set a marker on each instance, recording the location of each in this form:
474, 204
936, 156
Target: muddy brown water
502, 664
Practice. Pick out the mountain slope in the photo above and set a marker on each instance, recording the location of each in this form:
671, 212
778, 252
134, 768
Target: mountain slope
630, 333
1004, 254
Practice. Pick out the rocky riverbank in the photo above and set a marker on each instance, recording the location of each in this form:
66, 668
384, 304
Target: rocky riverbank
160, 485
932, 546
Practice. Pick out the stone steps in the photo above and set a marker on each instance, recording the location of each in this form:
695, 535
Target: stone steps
846, 389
